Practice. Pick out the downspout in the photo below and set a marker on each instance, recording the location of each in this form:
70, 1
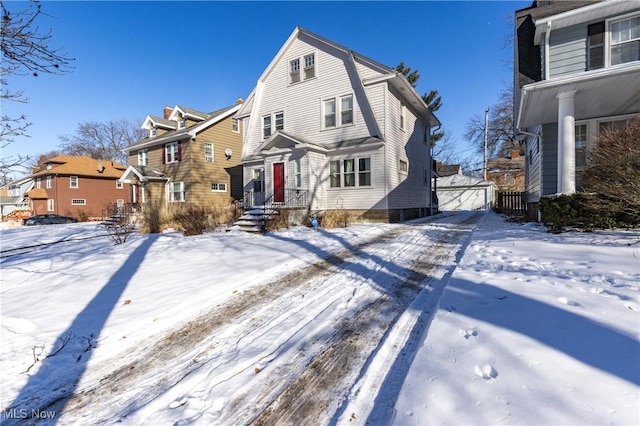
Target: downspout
431, 171
547, 36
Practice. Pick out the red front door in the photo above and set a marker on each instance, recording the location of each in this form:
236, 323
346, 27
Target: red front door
278, 182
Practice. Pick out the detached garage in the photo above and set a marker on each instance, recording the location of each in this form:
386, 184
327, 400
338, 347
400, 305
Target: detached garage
460, 192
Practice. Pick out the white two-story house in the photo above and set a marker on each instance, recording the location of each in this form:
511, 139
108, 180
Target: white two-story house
577, 72
327, 128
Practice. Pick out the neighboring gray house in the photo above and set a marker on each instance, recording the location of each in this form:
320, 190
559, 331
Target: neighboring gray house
327, 128
577, 72
459, 192
13, 198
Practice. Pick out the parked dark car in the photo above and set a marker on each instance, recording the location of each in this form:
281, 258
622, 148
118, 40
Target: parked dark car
47, 219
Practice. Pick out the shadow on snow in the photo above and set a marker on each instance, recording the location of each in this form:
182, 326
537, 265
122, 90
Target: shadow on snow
51, 388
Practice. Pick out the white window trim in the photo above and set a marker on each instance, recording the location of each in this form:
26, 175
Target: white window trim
208, 159
119, 184
78, 202
265, 136
356, 172
174, 157
71, 179
51, 204
38, 183
403, 116
48, 182
218, 185
301, 68
297, 173
170, 192
235, 125
143, 157
608, 43
337, 100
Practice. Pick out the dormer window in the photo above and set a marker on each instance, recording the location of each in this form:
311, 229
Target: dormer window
153, 132
308, 71
182, 123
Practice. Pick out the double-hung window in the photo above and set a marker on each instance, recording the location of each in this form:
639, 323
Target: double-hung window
38, 183
294, 71
333, 108
235, 125
175, 191
346, 110
344, 172
309, 66
403, 115
73, 181
208, 152
50, 205
329, 113
297, 177
349, 168
172, 152
279, 119
48, 182
625, 40
143, 157
266, 126
364, 171
595, 46
307, 71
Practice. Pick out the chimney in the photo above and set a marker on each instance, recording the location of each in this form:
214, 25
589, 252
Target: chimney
167, 112
515, 154
239, 101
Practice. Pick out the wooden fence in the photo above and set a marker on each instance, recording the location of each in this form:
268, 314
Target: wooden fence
510, 202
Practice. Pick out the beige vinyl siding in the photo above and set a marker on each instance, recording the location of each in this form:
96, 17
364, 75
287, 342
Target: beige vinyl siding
202, 172
567, 50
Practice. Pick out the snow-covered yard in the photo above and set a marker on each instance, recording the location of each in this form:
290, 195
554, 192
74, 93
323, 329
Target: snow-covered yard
458, 319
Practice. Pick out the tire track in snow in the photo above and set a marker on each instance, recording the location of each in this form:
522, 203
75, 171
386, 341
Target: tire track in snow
322, 372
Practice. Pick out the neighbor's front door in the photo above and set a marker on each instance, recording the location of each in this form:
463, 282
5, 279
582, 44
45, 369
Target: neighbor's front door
278, 182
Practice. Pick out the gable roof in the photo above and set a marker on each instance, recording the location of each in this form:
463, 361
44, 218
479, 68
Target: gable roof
191, 131
81, 166
396, 79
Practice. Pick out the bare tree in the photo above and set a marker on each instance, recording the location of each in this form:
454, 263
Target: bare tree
25, 50
500, 140
102, 141
614, 166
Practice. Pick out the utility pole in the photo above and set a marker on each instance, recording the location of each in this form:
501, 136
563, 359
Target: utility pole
486, 135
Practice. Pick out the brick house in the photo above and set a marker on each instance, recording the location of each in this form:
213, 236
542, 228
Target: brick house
76, 186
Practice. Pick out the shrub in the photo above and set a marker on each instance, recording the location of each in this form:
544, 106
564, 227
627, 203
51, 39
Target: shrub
152, 217
613, 171
580, 210
279, 220
83, 216
334, 219
195, 219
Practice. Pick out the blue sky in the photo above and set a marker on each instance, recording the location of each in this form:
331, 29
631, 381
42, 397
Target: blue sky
133, 58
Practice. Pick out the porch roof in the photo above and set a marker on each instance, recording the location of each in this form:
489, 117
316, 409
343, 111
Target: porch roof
600, 93
285, 140
142, 173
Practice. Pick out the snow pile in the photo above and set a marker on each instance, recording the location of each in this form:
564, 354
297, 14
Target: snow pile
516, 325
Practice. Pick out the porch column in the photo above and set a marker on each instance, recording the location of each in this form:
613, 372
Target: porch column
566, 143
